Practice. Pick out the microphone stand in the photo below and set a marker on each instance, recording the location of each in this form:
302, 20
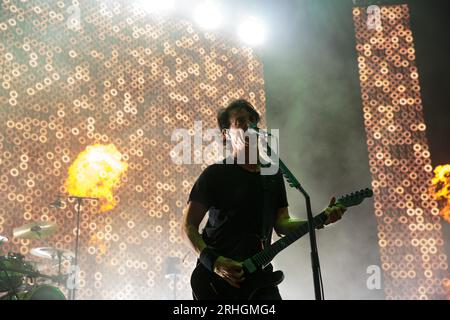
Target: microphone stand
294, 183
57, 204
79, 200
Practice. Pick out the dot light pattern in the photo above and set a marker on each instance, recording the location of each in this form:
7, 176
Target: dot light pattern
110, 74
409, 226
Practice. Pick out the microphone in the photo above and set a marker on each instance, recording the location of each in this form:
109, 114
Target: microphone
258, 131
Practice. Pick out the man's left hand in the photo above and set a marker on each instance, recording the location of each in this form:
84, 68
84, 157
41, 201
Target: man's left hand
334, 211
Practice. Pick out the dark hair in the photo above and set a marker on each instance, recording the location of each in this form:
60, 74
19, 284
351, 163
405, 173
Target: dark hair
223, 115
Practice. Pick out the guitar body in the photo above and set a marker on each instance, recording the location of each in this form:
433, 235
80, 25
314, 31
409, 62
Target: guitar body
207, 285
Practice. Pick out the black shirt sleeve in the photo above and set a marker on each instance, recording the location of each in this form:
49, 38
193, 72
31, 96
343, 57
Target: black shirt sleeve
201, 191
282, 197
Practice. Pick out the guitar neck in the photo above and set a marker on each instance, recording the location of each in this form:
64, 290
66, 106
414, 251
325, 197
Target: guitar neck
264, 257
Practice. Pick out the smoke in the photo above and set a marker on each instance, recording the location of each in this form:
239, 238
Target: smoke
313, 97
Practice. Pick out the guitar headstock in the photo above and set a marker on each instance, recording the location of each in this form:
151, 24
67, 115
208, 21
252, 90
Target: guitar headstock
355, 198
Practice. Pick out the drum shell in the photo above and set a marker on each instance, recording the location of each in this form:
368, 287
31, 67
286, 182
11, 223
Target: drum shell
37, 292
44, 292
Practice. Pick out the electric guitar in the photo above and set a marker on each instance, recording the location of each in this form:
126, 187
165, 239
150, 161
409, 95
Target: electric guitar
207, 285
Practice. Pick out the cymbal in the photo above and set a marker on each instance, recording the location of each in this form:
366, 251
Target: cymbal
35, 230
3, 239
52, 253
43, 266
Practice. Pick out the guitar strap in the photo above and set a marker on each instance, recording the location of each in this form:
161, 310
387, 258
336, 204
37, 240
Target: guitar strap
267, 182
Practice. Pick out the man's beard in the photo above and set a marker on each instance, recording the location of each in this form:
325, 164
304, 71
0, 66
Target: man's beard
245, 145
238, 140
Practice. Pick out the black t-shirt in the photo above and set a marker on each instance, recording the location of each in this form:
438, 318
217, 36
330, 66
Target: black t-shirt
235, 200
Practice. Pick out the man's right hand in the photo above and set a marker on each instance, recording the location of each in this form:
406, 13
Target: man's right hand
229, 270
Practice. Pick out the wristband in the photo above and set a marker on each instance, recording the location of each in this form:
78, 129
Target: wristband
207, 258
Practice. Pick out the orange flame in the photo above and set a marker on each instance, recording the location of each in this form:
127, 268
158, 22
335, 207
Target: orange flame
96, 173
447, 288
441, 189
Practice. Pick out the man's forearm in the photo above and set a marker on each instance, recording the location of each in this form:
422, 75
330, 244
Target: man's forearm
289, 225
195, 239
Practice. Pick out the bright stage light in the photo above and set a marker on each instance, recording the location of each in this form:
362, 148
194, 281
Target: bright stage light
252, 31
208, 14
157, 5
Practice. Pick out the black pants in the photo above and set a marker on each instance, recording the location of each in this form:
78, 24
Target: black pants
269, 293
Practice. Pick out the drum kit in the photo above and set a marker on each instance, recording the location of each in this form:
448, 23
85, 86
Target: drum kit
21, 279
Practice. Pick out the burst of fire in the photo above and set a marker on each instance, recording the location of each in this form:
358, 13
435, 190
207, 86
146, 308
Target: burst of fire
447, 288
96, 173
440, 189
